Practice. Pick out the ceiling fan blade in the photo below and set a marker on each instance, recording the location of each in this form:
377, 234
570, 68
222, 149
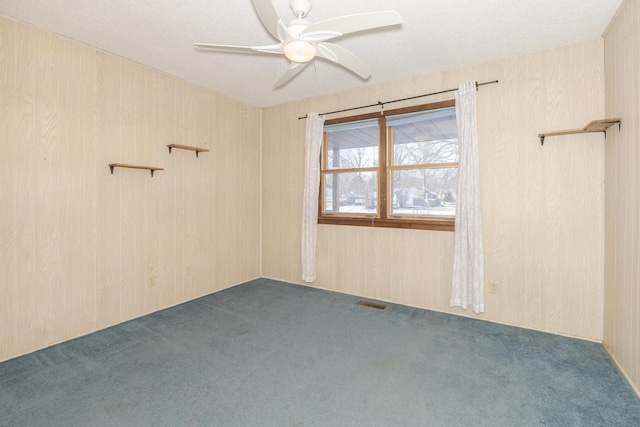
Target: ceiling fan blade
293, 71
276, 48
282, 31
336, 27
268, 15
343, 57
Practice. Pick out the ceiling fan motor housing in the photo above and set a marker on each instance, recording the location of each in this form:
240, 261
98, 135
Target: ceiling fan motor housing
296, 27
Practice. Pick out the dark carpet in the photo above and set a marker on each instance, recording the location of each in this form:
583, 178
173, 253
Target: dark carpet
267, 353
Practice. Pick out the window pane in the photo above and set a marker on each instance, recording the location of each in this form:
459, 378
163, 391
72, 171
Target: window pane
354, 192
427, 152
354, 146
428, 137
424, 192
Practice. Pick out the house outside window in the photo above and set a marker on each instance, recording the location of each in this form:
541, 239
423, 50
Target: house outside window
397, 169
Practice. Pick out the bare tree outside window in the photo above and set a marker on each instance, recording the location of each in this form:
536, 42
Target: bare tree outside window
424, 163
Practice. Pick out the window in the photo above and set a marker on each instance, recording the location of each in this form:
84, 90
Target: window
397, 169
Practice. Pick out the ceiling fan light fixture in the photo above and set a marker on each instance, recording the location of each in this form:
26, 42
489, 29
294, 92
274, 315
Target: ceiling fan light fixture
299, 51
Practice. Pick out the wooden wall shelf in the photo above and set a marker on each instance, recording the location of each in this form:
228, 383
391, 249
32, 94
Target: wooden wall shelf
593, 126
187, 147
124, 165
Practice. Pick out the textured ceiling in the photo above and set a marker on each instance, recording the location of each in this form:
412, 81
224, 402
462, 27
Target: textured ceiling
436, 35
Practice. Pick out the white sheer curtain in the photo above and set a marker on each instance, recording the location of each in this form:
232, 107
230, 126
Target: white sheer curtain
315, 124
468, 259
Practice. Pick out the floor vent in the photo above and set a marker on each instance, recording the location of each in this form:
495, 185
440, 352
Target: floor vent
372, 305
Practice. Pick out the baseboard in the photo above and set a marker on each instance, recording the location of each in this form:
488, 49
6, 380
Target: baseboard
467, 315
109, 325
622, 371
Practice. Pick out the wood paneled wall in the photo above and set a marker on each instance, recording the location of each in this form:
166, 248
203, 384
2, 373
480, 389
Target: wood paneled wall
47, 189
542, 206
622, 204
81, 249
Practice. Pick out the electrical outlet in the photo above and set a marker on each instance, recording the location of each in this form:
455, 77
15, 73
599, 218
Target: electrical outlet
493, 287
152, 281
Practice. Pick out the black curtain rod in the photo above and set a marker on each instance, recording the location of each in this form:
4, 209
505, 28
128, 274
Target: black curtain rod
382, 104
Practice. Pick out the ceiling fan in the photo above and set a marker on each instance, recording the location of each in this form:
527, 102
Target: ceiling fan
301, 41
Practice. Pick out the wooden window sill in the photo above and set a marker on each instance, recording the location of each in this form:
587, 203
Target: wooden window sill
437, 224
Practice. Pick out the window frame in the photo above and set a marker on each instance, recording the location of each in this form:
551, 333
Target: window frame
382, 218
